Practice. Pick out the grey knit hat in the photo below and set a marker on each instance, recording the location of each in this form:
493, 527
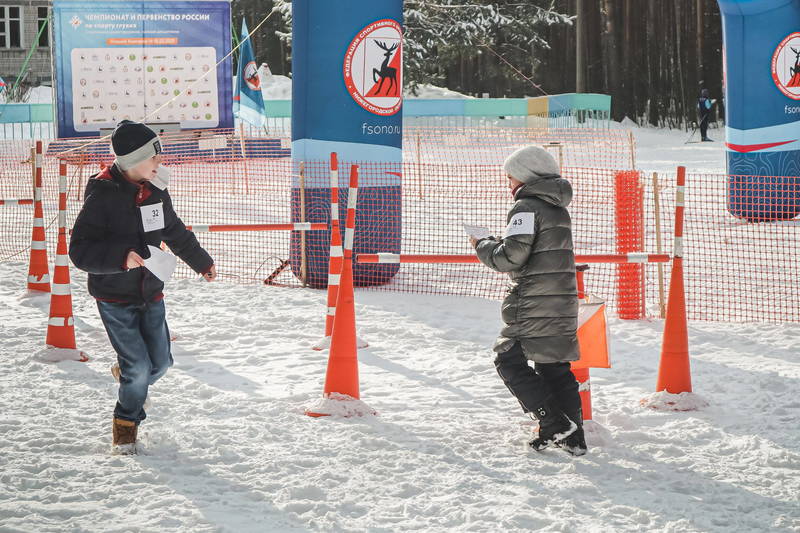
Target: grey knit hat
531, 162
133, 142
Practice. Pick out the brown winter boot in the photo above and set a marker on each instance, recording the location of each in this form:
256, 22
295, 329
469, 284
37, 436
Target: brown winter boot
124, 432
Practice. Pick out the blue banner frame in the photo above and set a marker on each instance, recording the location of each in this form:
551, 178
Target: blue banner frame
118, 59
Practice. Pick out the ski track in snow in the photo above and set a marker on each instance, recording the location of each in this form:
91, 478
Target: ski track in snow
227, 446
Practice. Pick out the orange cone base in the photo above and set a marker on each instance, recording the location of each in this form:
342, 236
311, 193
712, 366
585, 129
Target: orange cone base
51, 354
674, 373
323, 344
666, 401
335, 404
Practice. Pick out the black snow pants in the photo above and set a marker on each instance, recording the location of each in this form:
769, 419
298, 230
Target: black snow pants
532, 387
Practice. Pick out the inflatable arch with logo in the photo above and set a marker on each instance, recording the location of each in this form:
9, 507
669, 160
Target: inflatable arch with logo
762, 90
347, 98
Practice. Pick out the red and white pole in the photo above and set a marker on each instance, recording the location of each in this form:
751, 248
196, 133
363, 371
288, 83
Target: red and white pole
26, 201
336, 255
466, 259
350, 231
290, 226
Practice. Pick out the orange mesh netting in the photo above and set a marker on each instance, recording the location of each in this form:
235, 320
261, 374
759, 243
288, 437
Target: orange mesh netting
735, 269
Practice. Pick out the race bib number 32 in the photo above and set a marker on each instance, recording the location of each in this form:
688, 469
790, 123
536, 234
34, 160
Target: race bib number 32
152, 217
521, 224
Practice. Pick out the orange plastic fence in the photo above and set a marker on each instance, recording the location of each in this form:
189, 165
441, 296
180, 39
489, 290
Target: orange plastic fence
736, 269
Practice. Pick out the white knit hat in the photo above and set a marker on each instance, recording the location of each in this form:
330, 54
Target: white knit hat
531, 162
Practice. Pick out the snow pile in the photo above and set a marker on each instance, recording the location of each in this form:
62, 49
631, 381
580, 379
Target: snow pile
276, 87
335, 404
428, 91
684, 401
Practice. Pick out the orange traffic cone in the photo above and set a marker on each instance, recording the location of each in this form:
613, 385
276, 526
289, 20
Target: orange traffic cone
342, 374
674, 374
60, 326
341, 379
38, 270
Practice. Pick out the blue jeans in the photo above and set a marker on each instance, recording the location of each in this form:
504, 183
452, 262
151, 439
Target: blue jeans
140, 336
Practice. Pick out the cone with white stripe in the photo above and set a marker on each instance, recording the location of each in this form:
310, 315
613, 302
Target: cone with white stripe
341, 379
674, 373
38, 270
60, 326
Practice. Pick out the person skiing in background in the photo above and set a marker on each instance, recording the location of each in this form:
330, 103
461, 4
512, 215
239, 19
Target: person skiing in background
540, 311
704, 104
123, 213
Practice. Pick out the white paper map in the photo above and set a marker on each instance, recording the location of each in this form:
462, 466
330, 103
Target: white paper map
160, 263
477, 232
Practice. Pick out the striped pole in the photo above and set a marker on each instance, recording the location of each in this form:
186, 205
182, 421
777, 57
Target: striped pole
335, 262
292, 226
38, 270
27, 201
349, 235
466, 259
61, 326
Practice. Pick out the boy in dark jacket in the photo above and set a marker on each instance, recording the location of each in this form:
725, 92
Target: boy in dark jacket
540, 311
123, 214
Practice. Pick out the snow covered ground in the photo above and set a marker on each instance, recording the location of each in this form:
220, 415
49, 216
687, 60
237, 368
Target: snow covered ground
227, 447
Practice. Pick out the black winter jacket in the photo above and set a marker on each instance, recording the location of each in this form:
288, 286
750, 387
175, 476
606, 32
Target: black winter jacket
541, 308
110, 225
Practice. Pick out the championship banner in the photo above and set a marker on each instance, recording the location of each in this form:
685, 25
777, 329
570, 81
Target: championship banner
149, 61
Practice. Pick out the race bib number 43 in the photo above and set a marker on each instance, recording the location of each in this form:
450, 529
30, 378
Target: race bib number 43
521, 224
152, 217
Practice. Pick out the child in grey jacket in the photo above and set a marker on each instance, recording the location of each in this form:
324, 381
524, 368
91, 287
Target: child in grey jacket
540, 311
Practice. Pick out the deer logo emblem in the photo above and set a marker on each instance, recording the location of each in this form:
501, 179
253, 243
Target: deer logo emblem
794, 80
372, 67
386, 72
786, 66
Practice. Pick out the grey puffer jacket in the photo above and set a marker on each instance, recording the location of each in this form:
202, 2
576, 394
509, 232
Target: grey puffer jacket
541, 308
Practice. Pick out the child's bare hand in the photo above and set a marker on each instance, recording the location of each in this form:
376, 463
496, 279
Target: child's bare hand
134, 260
211, 275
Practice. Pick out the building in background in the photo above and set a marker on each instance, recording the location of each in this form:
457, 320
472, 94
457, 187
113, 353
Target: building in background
20, 23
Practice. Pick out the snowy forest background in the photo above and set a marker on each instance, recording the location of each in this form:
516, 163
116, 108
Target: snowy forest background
651, 56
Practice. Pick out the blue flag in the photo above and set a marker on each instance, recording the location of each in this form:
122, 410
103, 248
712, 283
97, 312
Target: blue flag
248, 103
